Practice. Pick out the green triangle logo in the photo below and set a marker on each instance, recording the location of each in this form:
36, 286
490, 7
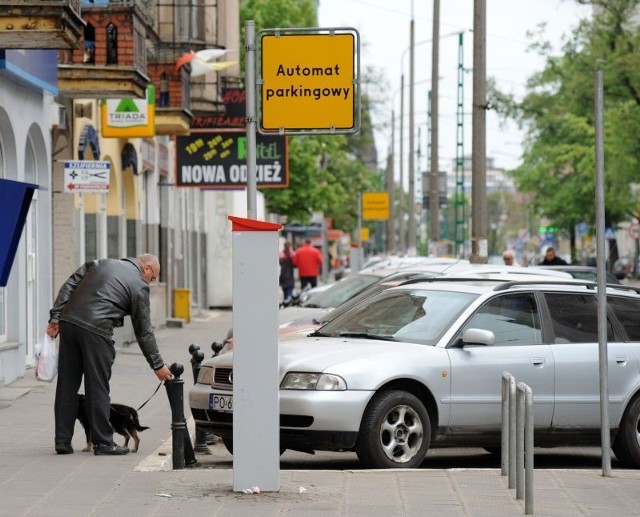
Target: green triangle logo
127, 106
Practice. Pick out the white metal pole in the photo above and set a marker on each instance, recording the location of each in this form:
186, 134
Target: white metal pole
602, 280
250, 75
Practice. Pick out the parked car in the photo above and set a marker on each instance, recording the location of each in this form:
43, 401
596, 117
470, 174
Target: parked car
584, 273
420, 366
313, 320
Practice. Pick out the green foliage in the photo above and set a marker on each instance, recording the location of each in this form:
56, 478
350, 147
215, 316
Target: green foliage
558, 166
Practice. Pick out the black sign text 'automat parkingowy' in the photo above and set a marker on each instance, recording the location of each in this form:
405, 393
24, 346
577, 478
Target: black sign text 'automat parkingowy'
218, 159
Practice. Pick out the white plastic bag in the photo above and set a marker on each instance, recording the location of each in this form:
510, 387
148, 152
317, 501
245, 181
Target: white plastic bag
47, 359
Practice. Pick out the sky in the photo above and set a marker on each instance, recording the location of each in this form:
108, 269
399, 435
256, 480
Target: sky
383, 26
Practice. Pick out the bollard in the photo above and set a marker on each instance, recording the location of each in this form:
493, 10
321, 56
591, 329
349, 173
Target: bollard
216, 346
528, 451
512, 432
520, 440
504, 443
508, 438
197, 356
182, 451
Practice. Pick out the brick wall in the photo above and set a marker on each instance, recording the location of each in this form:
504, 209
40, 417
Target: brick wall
131, 37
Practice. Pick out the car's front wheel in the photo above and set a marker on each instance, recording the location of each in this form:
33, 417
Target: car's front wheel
627, 443
395, 431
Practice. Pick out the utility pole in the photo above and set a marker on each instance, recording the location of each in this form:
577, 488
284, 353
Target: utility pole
479, 251
391, 230
460, 223
434, 187
401, 242
412, 172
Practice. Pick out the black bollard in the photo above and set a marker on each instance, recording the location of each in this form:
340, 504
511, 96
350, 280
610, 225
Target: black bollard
183, 454
216, 346
197, 356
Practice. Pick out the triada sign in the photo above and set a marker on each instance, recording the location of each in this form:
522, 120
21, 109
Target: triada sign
129, 118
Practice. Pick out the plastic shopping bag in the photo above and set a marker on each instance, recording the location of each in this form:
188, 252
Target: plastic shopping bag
46, 359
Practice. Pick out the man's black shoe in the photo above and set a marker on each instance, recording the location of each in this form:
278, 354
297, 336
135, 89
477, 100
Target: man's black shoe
64, 448
109, 450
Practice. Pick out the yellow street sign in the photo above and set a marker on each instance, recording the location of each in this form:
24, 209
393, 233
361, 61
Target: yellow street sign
308, 81
364, 234
375, 206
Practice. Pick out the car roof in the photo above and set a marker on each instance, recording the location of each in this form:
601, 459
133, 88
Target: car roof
572, 269
484, 283
497, 269
403, 262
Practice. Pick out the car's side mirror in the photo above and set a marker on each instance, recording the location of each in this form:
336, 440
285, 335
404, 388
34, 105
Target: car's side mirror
478, 337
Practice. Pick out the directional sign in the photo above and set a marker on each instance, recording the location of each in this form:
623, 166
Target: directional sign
86, 176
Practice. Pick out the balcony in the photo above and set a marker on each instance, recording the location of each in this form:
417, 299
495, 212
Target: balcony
173, 99
43, 24
111, 61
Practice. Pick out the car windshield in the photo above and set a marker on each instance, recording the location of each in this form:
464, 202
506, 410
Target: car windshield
341, 291
413, 316
385, 283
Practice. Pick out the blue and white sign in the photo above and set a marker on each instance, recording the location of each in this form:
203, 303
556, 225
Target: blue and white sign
86, 176
610, 233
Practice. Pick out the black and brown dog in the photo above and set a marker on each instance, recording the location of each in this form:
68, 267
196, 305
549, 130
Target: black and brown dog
124, 420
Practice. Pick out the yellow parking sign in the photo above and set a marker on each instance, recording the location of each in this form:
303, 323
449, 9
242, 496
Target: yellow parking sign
309, 81
375, 206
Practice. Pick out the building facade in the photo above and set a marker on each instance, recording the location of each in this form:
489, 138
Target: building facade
114, 49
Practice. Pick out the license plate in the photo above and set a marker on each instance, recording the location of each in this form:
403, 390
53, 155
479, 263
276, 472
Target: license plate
221, 402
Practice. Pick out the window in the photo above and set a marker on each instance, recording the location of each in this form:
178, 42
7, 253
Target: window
513, 318
627, 311
190, 20
112, 44
89, 45
574, 317
411, 316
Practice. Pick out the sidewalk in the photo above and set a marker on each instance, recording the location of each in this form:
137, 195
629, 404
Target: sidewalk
35, 481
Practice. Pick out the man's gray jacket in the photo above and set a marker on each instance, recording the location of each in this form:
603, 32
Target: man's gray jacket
100, 294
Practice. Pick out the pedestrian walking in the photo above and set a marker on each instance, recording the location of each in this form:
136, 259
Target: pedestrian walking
551, 259
509, 258
286, 271
93, 300
308, 261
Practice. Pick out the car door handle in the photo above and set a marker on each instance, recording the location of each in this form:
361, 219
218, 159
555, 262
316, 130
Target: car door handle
622, 360
538, 362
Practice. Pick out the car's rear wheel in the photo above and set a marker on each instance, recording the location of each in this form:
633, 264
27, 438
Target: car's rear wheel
627, 444
395, 431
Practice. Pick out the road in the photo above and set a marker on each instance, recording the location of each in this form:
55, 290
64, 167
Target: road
445, 458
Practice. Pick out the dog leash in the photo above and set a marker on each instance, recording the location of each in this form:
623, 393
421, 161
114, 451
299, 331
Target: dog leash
145, 402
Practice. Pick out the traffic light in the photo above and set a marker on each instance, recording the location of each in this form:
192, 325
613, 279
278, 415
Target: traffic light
547, 229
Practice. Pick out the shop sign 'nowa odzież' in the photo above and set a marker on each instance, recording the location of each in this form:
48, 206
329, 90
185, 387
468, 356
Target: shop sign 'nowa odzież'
310, 81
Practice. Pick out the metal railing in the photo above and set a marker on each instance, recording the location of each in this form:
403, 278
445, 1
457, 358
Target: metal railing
517, 438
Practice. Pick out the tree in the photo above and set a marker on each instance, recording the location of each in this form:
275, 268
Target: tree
558, 164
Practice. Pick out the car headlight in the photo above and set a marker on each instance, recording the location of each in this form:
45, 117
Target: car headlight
313, 381
205, 375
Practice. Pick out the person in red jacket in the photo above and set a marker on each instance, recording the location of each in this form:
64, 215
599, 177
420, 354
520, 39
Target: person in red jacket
308, 260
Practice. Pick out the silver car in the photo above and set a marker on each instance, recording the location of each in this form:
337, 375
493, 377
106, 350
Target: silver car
420, 366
